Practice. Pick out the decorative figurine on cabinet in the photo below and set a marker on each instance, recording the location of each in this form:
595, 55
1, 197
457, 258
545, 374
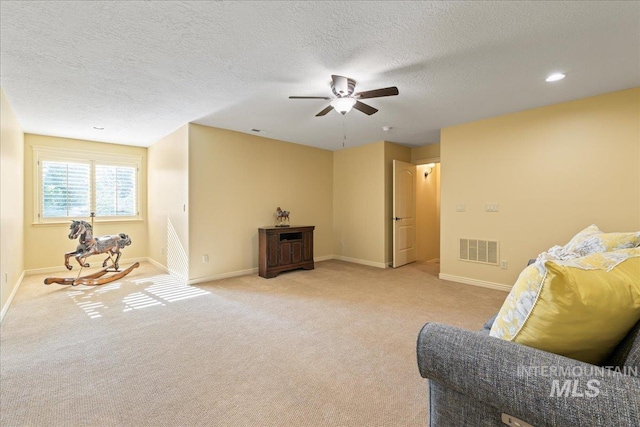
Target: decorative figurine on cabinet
282, 218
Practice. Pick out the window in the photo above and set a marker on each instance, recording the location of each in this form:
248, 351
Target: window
116, 190
73, 184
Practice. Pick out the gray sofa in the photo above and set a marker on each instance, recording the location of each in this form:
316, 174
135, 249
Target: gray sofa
474, 379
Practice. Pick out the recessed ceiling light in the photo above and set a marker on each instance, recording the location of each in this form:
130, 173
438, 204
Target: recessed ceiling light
555, 77
98, 128
387, 128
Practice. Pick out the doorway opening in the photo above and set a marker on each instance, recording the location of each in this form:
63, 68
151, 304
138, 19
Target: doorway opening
428, 213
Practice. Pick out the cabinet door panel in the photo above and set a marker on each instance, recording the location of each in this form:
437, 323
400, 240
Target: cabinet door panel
285, 253
296, 252
272, 250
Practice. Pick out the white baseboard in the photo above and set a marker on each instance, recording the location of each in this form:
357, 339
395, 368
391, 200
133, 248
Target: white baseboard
157, 264
11, 296
361, 261
222, 276
245, 272
212, 277
47, 270
475, 282
35, 271
255, 270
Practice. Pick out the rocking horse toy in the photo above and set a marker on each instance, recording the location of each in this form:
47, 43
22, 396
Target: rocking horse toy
89, 245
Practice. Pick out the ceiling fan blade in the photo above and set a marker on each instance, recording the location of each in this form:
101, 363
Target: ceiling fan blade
325, 111
309, 97
377, 93
367, 109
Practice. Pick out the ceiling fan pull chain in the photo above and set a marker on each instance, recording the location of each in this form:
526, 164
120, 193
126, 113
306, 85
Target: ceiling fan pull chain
344, 130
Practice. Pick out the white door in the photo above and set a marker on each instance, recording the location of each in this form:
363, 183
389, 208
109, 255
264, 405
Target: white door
404, 213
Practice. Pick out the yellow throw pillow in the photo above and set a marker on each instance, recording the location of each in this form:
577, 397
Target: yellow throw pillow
580, 311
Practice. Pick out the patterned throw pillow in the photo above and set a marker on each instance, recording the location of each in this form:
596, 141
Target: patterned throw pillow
582, 235
592, 240
579, 308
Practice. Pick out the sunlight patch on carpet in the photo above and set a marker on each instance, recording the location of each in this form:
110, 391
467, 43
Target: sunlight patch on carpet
158, 290
139, 300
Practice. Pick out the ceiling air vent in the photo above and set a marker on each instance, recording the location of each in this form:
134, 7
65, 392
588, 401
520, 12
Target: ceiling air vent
483, 251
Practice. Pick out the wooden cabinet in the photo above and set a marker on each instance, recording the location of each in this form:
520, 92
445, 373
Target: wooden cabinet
284, 248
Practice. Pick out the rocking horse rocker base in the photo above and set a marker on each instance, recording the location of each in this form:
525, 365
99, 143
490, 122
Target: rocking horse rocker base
94, 279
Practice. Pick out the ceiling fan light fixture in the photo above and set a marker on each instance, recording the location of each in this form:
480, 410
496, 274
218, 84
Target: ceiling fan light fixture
555, 77
343, 105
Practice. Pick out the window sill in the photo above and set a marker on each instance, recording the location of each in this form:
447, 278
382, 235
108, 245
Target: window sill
95, 221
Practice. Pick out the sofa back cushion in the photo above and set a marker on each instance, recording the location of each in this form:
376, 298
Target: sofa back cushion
627, 353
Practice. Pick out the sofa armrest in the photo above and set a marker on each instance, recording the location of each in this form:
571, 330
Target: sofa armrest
527, 383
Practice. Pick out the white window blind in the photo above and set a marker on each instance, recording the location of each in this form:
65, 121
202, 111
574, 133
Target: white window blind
115, 190
66, 190
74, 184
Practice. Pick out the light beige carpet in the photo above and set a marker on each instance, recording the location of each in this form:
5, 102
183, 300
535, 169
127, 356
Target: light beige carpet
330, 347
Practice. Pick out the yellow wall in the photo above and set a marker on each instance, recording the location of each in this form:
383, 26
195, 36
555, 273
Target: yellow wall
236, 182
392, 152
359, 204
11, 202
168, 199
425, 153
46, 244
428, 213
553, 170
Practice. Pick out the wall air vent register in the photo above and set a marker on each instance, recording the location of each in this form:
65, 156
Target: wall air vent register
482, 251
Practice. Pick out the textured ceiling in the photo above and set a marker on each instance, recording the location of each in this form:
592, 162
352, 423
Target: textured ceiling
143, 69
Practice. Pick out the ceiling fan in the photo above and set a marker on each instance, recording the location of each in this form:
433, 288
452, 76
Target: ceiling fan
345, 99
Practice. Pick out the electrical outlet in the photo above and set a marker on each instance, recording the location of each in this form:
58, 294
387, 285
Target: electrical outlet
162, 251
461, 207
205, 258
504, 264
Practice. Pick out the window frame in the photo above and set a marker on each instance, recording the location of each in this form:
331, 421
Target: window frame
92, 158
